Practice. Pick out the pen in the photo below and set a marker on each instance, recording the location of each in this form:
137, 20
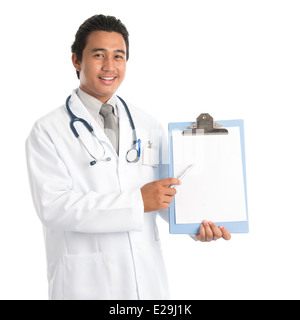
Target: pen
183, 174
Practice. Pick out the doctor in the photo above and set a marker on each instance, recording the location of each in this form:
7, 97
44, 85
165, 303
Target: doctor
97, 202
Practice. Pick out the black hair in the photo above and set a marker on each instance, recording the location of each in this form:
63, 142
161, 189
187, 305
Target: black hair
98, 23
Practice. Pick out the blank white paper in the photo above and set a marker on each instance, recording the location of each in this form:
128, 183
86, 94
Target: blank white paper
214, 188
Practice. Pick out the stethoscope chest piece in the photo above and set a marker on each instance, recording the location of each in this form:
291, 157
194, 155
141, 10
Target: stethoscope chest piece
133, 155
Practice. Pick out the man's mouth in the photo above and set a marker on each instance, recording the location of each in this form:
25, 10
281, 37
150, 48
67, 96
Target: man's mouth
107, 78
108, 81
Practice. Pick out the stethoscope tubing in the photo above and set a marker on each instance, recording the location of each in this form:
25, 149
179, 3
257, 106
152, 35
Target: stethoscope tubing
130, 120
75, 119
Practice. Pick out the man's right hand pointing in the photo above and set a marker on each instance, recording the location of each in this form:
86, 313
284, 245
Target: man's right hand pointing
158, 195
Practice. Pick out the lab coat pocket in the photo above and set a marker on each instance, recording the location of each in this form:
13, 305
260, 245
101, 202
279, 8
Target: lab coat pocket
85, 277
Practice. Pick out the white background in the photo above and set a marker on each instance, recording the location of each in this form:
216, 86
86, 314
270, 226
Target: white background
233, 59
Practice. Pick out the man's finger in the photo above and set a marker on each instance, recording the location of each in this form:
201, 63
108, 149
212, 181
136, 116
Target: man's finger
170, 181
170, 192
168, 199
201, 236
225, 233
217, 233
208, 232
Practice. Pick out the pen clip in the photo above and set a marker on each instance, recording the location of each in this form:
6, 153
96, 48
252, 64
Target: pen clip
139, 146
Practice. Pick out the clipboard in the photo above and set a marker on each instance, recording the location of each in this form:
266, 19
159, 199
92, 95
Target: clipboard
216, 189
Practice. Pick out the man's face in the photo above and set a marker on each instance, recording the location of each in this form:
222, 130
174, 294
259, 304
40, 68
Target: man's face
103, 64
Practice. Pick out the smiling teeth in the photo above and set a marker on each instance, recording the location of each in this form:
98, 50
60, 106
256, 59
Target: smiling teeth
107, 79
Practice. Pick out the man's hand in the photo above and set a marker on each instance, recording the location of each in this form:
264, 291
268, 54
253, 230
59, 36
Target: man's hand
158, 195
209, 231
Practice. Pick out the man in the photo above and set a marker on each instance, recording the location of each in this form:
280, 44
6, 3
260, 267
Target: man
100, 219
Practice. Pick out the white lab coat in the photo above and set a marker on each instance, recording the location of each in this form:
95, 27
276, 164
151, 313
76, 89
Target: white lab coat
99, 242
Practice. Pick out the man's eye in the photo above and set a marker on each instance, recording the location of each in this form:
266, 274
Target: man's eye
119, 57
99, 55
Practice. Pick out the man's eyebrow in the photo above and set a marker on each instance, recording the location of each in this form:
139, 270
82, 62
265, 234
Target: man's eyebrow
103, 49
121, 51
98, 49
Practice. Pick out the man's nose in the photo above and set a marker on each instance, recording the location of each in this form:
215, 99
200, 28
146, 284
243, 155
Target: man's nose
108, 64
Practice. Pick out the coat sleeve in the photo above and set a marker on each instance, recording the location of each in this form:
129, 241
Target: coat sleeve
59, 207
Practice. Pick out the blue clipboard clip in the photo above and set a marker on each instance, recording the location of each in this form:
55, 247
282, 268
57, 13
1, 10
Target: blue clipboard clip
205, 125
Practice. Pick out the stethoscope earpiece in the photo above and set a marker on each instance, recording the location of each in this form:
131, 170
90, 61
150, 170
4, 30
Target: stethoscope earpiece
92, 163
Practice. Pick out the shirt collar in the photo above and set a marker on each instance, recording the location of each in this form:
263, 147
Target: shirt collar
93, 105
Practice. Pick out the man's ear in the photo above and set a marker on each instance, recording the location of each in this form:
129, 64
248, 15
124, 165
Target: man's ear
76, 62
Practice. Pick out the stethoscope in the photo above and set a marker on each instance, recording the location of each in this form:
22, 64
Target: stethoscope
132, 156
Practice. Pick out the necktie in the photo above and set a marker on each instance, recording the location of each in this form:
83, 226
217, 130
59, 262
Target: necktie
111, 128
